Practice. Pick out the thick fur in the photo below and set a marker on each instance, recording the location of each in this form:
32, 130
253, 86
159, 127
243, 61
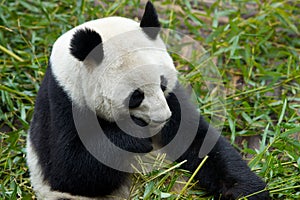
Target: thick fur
224, 174
124, 45
62, 168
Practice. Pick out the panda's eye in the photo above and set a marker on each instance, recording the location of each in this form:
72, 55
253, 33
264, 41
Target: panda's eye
136, 98
163, 83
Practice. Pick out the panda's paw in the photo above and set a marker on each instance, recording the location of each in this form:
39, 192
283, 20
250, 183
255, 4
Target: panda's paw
243, 191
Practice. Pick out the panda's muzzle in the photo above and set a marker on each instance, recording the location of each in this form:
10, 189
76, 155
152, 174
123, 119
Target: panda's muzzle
153, 122
160, 121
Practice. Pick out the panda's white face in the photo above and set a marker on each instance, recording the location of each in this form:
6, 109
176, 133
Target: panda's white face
138, 82
127, 72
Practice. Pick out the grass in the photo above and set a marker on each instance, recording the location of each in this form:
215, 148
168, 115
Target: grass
255, 45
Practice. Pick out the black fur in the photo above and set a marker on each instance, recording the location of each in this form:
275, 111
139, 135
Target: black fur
65, 162
224, 174
150, 22
83, 42
136, 98
69, 167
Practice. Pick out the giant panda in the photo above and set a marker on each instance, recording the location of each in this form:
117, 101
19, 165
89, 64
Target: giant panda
88, 69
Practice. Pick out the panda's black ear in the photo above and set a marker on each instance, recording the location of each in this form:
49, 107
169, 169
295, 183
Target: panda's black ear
150, 22
83, 42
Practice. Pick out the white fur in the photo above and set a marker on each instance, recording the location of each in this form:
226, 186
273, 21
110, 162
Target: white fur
44, 192
131, 60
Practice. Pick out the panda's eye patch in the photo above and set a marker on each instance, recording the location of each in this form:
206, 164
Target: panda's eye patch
163, 83
136, 98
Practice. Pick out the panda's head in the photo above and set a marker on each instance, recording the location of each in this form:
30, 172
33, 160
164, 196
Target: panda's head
115, 65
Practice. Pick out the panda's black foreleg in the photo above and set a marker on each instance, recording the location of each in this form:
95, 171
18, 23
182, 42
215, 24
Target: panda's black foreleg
224, 174
124, 140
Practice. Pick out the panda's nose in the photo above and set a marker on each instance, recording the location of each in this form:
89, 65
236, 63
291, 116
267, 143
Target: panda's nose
161, 117
159, 111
